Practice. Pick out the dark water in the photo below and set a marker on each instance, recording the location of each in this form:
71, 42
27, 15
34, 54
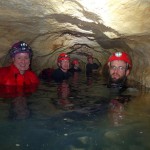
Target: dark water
79, 115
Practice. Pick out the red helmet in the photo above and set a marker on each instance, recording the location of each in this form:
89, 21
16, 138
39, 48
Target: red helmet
63, 56
75, 61
121, 56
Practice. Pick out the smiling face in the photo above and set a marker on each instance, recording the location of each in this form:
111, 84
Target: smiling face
118, 70
22, 62
90, 60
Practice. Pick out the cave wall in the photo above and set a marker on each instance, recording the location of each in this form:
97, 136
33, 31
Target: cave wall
78, 27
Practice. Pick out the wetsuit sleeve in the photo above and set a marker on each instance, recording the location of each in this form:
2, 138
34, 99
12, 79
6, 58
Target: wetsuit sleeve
46, 74
95, 66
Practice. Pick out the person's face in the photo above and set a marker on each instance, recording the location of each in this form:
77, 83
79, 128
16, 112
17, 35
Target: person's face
64, 65
22, 62
90, 60
118, 70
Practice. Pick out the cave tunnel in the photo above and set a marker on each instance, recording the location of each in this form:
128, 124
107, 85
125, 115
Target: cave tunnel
79, 28
84, 114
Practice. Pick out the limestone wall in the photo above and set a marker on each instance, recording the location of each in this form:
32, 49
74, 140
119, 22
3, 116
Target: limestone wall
78, 27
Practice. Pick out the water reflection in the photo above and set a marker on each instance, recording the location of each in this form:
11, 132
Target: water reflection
63, 91
73, 115
19, 109
16, 97
89, 81
75, 79
117, 109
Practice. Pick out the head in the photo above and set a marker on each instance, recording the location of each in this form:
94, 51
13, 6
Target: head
75, 63
90, 59
63, 62
120, 65
21, 54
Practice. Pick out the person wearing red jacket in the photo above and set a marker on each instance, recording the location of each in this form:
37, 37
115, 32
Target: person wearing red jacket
19, 74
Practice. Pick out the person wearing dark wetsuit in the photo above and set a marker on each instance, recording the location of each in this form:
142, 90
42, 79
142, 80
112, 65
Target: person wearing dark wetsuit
62, 73
91, 67
58, 75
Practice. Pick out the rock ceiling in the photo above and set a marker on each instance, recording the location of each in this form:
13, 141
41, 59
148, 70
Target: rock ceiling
78, 27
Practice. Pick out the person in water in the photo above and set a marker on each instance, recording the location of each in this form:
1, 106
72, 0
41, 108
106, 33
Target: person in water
119, 67
91, 67
18, 73
62, 72
75, 66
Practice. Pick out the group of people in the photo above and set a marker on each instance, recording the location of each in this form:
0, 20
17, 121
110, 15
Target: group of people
64, 70
20, 75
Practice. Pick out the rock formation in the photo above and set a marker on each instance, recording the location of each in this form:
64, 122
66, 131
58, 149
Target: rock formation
78, 27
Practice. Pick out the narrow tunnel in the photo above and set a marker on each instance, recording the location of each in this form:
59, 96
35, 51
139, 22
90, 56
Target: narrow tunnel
78, 28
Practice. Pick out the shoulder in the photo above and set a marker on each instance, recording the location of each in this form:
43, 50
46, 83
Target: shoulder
46, 73
5, 70
71, 70
95, 64
57, 71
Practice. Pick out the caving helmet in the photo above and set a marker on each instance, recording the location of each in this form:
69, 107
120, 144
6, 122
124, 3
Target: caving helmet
75, 61
20, 47
62, 56
121, 56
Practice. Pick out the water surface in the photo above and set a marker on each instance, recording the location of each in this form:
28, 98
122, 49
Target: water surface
79, 115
